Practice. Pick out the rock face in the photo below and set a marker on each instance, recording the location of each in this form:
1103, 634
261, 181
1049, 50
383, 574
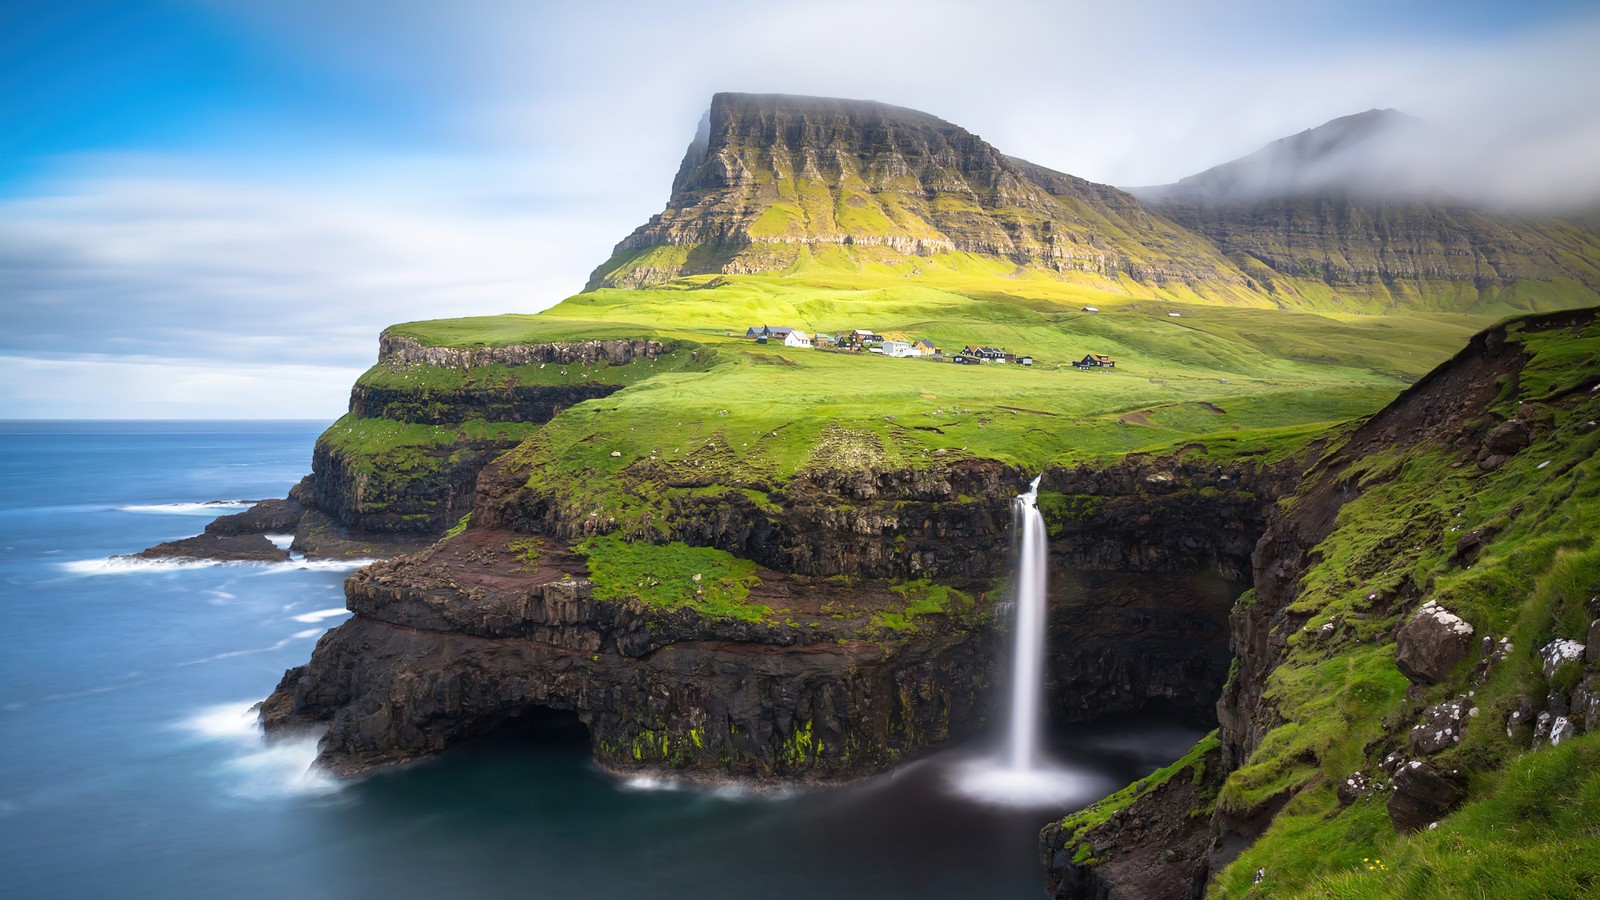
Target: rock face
1432, 643
771, 176
459, 640
1161, 844
1449, 408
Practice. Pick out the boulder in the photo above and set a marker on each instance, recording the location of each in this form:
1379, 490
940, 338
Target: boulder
1432, 643
1422, 794
1558, 653
1441, 726
1591, 654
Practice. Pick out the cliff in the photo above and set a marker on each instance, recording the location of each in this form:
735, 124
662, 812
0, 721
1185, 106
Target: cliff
771, 179
1417, 623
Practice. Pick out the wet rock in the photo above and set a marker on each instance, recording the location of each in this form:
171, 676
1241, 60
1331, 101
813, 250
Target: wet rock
1423, 794
1432, 643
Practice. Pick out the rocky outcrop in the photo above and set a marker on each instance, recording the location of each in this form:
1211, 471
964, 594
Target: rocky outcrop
456, 642
1455, 411
1155, 847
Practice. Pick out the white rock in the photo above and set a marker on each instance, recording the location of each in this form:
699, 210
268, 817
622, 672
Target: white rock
1558, 652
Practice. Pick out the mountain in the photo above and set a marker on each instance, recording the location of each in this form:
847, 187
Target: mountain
772, 181
1347, 216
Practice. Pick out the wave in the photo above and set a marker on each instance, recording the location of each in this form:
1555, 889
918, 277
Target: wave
135, 565
129, 565
208, 507
320, 614
281, 541
258, 770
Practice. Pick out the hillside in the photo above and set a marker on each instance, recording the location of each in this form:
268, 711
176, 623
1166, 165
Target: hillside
1336, 218
1413, 711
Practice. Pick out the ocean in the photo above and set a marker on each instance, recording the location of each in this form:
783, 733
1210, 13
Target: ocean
130, 764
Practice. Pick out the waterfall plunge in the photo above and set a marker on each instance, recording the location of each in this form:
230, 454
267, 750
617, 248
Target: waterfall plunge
1019, 775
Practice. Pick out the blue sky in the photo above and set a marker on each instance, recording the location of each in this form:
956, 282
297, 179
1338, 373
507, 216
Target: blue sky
211, 208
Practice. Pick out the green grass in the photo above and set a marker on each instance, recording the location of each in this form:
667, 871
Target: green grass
1526, 830
673, 576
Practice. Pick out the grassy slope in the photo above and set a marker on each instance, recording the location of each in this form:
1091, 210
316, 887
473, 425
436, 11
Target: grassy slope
1530, 826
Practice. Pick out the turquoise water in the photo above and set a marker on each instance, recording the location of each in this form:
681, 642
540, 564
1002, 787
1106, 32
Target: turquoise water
129, 766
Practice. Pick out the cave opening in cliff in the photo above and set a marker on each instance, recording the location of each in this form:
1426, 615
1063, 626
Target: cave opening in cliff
544, 727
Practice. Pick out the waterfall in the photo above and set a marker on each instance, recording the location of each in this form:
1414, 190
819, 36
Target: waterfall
1027, 639
1021, 774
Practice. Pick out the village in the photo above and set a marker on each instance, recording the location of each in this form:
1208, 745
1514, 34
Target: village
900, 346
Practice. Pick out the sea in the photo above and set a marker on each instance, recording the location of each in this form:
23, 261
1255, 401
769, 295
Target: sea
131, 765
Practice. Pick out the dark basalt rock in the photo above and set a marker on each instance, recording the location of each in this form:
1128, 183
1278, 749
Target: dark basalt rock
455, 642
1422, 795
1431, 644
1153, 849
225, 547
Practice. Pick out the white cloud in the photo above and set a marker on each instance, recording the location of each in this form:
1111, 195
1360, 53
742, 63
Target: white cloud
92, 388
554, 129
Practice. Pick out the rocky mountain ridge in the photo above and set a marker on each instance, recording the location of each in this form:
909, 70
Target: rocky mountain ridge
769, 176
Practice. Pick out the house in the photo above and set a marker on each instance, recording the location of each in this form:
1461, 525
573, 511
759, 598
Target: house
1025, 360
824, 340
927, 348
965, 360
1096, 361
900, 349
1090, 309
987, 354
795, 338
755, 331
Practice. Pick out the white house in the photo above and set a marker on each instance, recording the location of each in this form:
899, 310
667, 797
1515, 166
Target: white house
796, 338
901, 349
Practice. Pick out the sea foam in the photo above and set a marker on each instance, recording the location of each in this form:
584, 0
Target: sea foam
256, 769
209, 507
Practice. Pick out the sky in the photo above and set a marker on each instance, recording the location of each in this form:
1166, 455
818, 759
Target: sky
210, 209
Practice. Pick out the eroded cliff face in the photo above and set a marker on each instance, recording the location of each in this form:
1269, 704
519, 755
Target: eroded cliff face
460, 639
1359, 690
406, 458
770, 177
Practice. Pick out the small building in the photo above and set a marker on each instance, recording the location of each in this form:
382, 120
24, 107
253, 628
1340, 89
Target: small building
1174, 315
1096, 361
822, 341
926, 347
963, 360
1090, 309
986, 354
755, 332
900, 349
796, 338
1025, 360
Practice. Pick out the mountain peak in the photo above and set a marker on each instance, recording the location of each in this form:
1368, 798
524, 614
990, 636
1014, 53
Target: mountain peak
1368, 152
775, 181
